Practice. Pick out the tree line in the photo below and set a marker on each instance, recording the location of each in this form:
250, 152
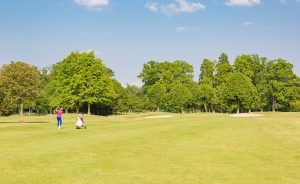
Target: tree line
82, 83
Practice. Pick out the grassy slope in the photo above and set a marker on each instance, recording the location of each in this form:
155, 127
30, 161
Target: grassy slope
192, 148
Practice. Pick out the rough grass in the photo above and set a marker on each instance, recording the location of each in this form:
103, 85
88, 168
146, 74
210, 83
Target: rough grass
129, 149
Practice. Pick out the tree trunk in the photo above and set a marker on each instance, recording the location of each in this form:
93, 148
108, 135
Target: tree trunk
273, 104
249, 110
181, 109
77, 109
157, 109
67, 111
89, 109
237, 107
21, 113
213, 109
205, 107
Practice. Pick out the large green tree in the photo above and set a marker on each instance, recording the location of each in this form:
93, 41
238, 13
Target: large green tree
167, 73
208, 97
223, 68
254, 67
159, 78
239, 91
81, 78
157, 95
178, 98
20, 83
206, 82
134, 100
283, 83
194, 102
207, 71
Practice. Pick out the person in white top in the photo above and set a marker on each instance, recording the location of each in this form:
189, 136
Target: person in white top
79, 122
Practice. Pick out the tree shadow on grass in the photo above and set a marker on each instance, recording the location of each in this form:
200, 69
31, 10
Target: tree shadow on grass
26, 122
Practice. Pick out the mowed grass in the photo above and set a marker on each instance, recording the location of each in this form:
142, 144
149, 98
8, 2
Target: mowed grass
128, 149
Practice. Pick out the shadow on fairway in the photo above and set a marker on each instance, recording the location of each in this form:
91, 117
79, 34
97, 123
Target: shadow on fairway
27, 122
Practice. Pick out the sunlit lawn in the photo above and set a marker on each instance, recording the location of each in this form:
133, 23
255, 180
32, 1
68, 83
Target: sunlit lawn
184, 149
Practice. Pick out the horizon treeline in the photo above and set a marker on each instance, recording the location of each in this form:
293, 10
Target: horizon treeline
82, 83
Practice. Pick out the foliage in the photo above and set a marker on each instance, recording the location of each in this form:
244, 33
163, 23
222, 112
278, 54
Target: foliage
160, 81
157, 95
223, 68
254, 67
207, 96
239, 91
81, 81
295, 106
283, 83
134, 102
19, 83
178, 98
81, 78
167, 73
207, 71
119, 104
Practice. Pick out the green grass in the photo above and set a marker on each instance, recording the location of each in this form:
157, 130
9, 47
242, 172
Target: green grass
129, 149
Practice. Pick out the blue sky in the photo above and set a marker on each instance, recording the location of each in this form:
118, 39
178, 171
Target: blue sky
128, 33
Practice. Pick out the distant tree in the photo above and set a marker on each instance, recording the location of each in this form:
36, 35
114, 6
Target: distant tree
19, 83
157, 95
239, 91
248, 65
208, 96
151, 73
161, 78
183, 72
134, 100
207, 80
167, 73
119, 104
254, 67
178, 98
194, 102
7, 102
223, 59
207, 71
283, 83
82, 78
223, 68
41, 105
295, 104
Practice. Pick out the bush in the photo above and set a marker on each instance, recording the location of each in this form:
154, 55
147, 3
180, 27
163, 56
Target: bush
295, 106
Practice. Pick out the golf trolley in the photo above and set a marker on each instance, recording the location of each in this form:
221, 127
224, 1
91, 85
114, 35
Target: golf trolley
80, 123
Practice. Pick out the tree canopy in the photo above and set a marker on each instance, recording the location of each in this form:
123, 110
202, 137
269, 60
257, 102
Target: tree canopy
20, 83
81, 78
82, 82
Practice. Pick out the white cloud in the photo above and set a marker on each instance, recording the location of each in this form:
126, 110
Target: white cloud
243, 2
178, 6
247, 23
187, 29
288, 1
152, 6
92, 3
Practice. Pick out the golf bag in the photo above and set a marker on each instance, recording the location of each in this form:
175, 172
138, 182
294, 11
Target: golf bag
80, 123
